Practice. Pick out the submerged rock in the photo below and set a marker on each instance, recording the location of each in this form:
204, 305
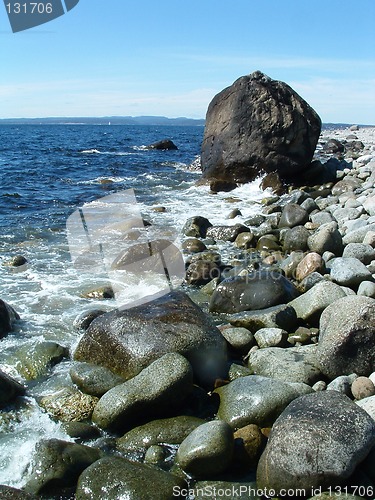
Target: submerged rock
164, 144
10, 389
69, 405
35, 361
8, 316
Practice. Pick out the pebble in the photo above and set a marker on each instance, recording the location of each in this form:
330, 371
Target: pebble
363, 388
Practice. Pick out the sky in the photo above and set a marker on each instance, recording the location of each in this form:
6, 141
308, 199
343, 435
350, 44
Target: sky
169, 58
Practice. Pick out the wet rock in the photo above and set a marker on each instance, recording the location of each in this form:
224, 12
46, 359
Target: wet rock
126, 341
9, 493
83, 320
81, 431
18, 261
363, 387
295, 364
240, 339
249, 442
201, 272
296, 239
311, 304
348, 271
234, 213
347, 341
157, 390
196, 227
362, 252
290, 264
164, 431
101, 293
8, 316
34, 361
316, 442
283, 316
257, 290
313, 262
10, 389
333, 146
120, 478
271, 337
94, 380
69, 405
327, 238
293, 215
226, 233
250, 130
245, 240
164, 144
193, 245
255, 400
58, 464
207, 450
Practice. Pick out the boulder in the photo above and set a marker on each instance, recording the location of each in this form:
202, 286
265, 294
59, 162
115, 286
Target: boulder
69, 405
240, 339
201, 272
258, 125
128, 340
256, 400
94, 380
34, 361
317, 442
257, 290
196, 227
326, 239
193, 245
83, 320
296, 239
164, 144
362, 388
363, 252
348, 271
271, 337
120, 478
347, 340
7, 318
10, 389
156, 391
283, 316
164, 431
293, 215
226, 233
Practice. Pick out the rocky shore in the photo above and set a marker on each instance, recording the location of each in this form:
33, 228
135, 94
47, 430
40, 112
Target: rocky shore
262, 386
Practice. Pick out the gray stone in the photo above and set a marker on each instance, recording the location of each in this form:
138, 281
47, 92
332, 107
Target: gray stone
10, 389
296, 239
311, 304
360, 251
309, 205
283, 316
321, 218
207, 450
341, 384
128, 340
120, 478
327, 238
344, 214
295, 364
201, 272
245, 241
226, 233
159, 388
94, 380
310, 281
293, 215
347, 184
8, 316
196, 227
358, 235
363, 388
368, 404
347, 340
317, 442
348, 271
240, 339
367, 289
255, 400
58, 464
290, 264
164, 431
369, 205
271, 337
257, 290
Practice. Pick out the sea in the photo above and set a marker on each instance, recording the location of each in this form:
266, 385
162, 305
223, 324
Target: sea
48, 173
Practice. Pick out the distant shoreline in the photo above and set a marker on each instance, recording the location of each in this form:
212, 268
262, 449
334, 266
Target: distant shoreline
105, 120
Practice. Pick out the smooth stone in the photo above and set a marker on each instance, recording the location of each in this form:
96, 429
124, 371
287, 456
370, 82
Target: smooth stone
290, 264
360, 251
367, 289
193, 245
164, 145
321, 218
311, 304
293, 215
348, 322
240, 339
196, 227
363, 388
58, 464
18, 261
226, 233
245, 241
8, 316
368, 404
369, 205
344, 214
69, 405
251, 442
294, 364
207, 451
83, 320
311, 263
296, 239
237, 371
201, 272
283, 316
311, 280
358, 235
326, 238
348, 271
271, 337
321, 385
317, 442
155, 455
10, 389
94, 380
34, 361
81, 430
120, 478
102, 293
341, 384
309, 205
160, 387
345, 185
164, 431
369, 239
255, 400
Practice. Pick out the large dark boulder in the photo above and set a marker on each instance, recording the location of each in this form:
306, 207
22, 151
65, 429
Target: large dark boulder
7, 318
128, 340
258, 125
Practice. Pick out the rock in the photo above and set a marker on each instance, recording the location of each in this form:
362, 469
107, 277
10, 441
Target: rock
58, 464
317, 442
346, 340
345, 185
258, 125
289, 265
81, 431
8, 316
155, 455
236, 212
102, 293
363, 388
311, 280
296, 239
34, 361
193, 245
327, 238
293, 215
268, 244
69, 405
368, 404
358, 235
271, 337
348, 271
201, 272
257, 290
18, 261
342, 215
9, 493
367, 289
10, 389
341, 384
313, 262
295, 364
369, 205
333, 146
354, 128
282, 316
157, 390
226, 233
364, 253
196, 227
165, 144
120, 478
128, 340
207, 450
251, 442
94, 380
311, 304
165, 431
83, 320
255, 400
240, 339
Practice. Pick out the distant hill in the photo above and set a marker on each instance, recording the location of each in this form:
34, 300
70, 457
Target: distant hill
105, 120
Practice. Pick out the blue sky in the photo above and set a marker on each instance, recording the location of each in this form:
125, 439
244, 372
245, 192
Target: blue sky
126, 57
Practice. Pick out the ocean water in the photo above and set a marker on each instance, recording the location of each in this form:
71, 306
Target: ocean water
47, 173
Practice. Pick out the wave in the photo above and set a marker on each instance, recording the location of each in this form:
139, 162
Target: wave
112, 153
